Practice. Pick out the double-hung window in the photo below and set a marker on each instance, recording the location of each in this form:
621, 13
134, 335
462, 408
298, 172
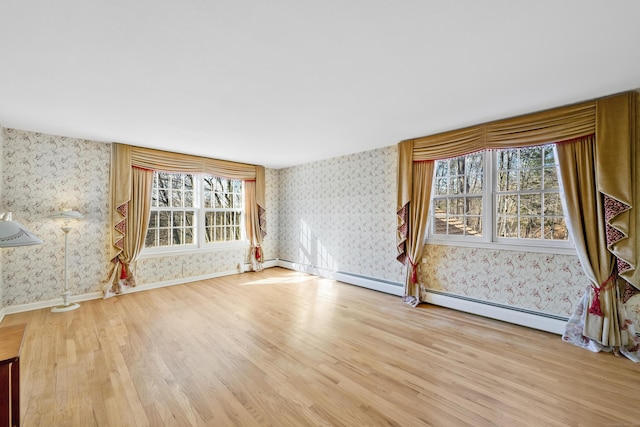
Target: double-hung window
507, 196
193, 211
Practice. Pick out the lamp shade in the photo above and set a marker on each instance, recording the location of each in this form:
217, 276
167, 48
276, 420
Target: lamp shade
66, 215
13, 233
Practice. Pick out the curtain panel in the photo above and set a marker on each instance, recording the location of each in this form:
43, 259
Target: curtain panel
124, 191
614, 122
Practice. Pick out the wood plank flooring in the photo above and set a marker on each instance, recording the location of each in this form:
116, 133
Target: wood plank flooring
281, 348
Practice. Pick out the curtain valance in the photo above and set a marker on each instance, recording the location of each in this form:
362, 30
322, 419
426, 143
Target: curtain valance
167, 161
559, 124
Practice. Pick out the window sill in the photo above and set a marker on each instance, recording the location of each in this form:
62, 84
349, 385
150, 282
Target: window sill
560, 250
214, 247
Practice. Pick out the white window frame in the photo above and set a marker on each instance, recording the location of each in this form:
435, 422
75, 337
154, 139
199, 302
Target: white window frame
489, 238
200, 244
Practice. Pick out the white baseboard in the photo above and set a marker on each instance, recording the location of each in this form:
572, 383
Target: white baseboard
523, 318
352, 279
20, 308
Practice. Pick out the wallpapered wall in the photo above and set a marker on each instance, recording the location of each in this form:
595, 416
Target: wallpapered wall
339, 214
43, 174
549, 283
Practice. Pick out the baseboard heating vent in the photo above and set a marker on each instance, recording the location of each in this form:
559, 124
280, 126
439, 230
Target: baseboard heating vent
517, 315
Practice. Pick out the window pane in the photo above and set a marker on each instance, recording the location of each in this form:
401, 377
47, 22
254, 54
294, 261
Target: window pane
163, 237
208, 219
551, 179
474, 184
552, 204
531, 158
474, 206
456, 166
440, 224
549, 155
507, 204
456, 185
474, 225
440, 206
188, 236
153, 220
150, 240
456, 206
442, 168
531, 179
507, 226
474, 164
530, 204
178, 219
507, 159
163, 198
456, 225
530, 228
189, 199
441, 186
508, 181
555, 229
177, 236
189, 218
165, 218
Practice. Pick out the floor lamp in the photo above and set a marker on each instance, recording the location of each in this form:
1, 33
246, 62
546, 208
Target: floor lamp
66, 216
12, 233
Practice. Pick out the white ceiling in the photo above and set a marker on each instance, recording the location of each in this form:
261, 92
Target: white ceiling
285, 82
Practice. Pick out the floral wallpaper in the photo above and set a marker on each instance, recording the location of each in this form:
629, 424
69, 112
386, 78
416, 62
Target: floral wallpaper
43, 174
339, 214
549, 283
160, 269
633, 311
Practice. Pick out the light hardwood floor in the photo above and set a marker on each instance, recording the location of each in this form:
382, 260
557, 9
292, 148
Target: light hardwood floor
282, 348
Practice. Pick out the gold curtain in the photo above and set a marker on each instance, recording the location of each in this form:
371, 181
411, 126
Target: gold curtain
126, 159
618, 160
585, 211
418, 214
136, 223
255, 225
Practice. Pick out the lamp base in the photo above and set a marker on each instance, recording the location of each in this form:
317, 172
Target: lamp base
62, 308
66, 305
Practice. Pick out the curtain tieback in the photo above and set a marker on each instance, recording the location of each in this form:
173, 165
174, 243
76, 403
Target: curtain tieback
596, 308
414, 271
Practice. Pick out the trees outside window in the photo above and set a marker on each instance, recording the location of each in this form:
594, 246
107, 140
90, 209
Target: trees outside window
189, 211
509, 196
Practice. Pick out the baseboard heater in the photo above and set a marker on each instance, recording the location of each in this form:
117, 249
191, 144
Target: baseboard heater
519, 316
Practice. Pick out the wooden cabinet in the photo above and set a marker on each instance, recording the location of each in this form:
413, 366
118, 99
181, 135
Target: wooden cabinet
10, 345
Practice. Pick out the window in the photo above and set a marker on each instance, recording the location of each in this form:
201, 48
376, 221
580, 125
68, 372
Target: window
223, 209
181, 202
458, 196
528, 204
507, 196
